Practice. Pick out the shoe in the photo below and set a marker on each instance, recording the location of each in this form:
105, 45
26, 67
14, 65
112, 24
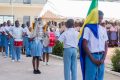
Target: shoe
13, 60
44, 63
3, 53
47, 63
40, 59
19, 60
38, 72
34, 71
5, 56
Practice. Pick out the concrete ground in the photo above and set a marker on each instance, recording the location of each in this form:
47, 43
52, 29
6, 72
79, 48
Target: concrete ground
23, 70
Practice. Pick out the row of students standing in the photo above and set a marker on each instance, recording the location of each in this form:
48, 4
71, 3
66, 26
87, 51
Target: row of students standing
16, 37
6, 40
10, 35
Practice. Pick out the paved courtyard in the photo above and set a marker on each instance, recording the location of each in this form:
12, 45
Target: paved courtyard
23, 70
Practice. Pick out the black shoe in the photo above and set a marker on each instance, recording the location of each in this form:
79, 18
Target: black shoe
40, 59
28, 55
35, 72
38, 71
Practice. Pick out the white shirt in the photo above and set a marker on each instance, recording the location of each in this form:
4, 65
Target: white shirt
69, 38
3, 29
94, 44
8, 28
57, 32
17, 33
26, 30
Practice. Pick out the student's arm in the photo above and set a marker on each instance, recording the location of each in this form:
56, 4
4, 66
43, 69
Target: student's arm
85, 47
106, 48
61, 38
105, 53
9, 33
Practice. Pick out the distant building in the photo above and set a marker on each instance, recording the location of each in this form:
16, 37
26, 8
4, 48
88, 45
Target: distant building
99, 0
22, 10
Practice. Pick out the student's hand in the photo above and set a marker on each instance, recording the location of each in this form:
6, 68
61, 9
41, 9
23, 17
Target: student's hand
24, 34
3, 33
97, 62
31, 39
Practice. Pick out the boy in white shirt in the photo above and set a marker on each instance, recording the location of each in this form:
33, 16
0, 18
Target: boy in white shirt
70, 41
95, 48
10, 40
17, 34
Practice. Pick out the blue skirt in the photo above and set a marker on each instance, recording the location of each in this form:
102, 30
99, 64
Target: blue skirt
36, 48
47, 50
113, 35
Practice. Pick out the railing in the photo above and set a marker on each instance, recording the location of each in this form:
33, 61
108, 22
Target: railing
24, 1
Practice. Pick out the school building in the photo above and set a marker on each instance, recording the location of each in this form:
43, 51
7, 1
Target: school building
22, 10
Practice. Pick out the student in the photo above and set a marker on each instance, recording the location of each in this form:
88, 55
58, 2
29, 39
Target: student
5, 38
70, 41
36, 46
23, 48
0, 37
10, 39
48, 48
17, 34
26, 40
96, 50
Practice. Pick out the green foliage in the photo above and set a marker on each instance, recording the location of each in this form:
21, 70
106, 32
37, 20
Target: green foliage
58, 49
116, 60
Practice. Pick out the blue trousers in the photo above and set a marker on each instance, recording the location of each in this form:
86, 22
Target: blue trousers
92, 71
9, 43
6, 41
70, 63
11, 48
26, 44
17, 53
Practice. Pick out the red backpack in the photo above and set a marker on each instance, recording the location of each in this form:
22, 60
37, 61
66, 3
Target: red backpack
52, 39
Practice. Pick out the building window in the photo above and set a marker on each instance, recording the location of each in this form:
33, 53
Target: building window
27, 1
26, 19
6, 18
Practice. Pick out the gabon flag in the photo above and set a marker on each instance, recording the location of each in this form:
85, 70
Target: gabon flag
91, 22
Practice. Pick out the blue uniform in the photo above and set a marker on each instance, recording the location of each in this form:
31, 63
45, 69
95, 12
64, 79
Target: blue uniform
26, 45
47, 50
70, 63
92, 71
0, 39
70, 41
26, 41
11, 48
17, 35
36, 48
6, 41
96, 73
